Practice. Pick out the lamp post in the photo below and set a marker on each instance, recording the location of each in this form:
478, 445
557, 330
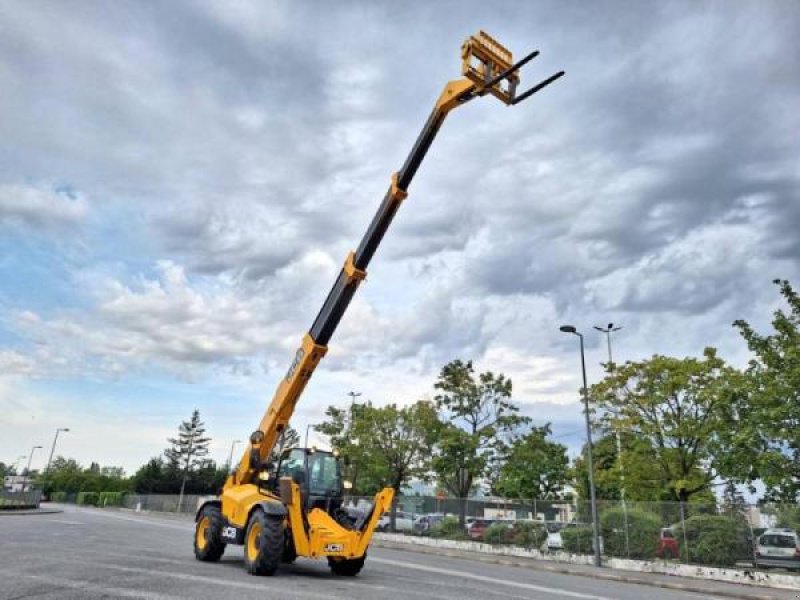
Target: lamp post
608, 330
230, 456
53, 448
595, 533
28, 470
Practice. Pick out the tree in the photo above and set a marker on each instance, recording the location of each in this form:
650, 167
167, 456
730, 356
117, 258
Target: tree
386, 445
684, 409
772, 427
288, 438
476, 413
189, 450
535, 468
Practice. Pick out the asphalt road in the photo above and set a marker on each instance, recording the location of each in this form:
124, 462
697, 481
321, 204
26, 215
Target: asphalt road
91, 554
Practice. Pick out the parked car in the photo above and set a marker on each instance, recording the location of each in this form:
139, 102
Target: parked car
424, 523
667, 545
778, 548
404, 521
477, 528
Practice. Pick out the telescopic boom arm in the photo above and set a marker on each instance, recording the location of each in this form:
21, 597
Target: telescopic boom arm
488, 68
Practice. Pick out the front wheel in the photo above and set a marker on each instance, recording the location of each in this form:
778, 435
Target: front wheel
263, 544
208, 544
346, 567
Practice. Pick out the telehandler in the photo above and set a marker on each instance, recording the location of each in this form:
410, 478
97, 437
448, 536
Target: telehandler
295, 507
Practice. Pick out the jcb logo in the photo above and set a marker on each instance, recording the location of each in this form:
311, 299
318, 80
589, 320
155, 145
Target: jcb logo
295, 363
229, 532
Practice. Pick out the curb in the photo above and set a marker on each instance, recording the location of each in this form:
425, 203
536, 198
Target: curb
566, 570
27, 511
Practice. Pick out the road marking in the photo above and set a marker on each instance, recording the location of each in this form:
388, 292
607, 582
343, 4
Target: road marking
491, 580
65, 521
87, 586
141, 521
262, 587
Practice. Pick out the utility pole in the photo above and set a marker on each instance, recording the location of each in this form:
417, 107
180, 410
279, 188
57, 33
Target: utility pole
230, 456
608, 331
53, 447
28, 470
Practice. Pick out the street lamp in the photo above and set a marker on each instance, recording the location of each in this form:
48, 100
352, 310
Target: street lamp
595, 533
607, 331
28, 470
230, 456
53, 448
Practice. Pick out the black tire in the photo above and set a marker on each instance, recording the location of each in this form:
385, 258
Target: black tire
208, 544
346, 567
263, 544
289, 552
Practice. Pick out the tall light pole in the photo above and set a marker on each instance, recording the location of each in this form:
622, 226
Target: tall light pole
230, 456
53, 448
28, 470
608, 330
595, 529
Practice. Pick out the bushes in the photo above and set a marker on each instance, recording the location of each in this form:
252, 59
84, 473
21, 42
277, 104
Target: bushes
577, 540
497, 533
110, 498
449, 528
58, 497
643, 531
716, 540
87, 498
528, 534
98, 498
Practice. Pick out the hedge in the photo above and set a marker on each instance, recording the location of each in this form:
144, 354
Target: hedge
110, 498
449, 528
58, 496
577, 540
715, 540
497, 533
528, 534
87, 498
643, 531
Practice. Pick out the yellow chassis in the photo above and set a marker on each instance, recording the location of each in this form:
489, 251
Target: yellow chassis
322, 536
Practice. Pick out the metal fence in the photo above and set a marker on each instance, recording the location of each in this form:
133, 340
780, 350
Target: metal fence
16, 500
718, 534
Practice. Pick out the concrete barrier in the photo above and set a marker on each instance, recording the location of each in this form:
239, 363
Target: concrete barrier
740, 576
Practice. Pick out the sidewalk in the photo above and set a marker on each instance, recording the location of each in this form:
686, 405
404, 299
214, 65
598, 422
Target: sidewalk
674, 582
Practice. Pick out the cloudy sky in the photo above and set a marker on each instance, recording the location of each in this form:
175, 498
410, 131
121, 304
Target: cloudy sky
180, 182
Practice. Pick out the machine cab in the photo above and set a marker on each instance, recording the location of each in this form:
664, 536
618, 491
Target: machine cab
317, 472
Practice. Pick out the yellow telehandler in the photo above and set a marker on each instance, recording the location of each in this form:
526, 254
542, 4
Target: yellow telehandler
295, 507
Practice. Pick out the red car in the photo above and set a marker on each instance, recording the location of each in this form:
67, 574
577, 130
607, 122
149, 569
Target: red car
477, 529
667, 546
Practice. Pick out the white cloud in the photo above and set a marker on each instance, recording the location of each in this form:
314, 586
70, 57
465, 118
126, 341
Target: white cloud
40, 206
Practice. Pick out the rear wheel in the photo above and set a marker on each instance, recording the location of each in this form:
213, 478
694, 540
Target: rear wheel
346, 567
263, 544
208, 544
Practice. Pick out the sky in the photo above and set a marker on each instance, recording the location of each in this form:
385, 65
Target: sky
180, 183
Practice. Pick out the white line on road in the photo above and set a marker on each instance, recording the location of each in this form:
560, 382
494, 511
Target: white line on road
88, 586
65, 522
491, 580
141, 521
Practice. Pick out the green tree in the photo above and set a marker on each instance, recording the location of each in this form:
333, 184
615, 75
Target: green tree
476, 413
187, 452
288, 438
535, 467
684, 409
772, 427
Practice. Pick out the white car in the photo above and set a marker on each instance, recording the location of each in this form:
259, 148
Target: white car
403, 522
554, 542
778, 548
